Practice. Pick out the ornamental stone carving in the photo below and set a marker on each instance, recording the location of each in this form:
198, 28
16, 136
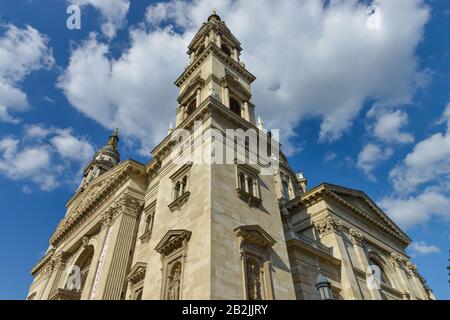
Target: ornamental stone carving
327, 225
356, 236
60, 260
396, 260
124, 205
412, 268
49, 268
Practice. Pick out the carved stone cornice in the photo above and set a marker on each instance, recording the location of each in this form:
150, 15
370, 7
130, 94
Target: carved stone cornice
45, 263
173, 240
95, 200
328, 225
137, 273
356, 236
213, 48
324, 191
254, 234
61, 260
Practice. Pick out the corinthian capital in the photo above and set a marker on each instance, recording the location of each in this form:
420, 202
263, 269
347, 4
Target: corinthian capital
327, 225
61, 259
356, 236
126, 204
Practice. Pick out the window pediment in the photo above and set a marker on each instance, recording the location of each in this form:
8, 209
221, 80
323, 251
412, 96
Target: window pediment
256, 235
137, 273
173, 240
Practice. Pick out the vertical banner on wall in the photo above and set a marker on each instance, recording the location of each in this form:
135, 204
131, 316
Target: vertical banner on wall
101, 264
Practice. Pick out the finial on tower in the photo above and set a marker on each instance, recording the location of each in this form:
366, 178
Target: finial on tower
214, 15
114, 138
170, 129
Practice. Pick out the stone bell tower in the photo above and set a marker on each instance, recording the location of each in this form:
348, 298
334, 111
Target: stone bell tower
248, 256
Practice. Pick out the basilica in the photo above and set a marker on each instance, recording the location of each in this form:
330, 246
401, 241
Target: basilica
175, 230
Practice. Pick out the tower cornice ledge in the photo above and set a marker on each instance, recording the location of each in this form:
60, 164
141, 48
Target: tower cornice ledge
213, 48
209, 106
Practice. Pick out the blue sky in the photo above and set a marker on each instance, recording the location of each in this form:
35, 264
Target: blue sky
367, 109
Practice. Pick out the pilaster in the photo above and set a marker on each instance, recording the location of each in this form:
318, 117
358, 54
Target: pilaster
120, 237
329, 229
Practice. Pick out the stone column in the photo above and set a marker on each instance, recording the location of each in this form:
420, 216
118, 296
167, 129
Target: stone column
92, 276
235, 55
226, 97
419, 291
46, 279
125, 213
329, 231
396, 262
219, 41
60, 263
198, 100
357, 239
245, 111
180, 115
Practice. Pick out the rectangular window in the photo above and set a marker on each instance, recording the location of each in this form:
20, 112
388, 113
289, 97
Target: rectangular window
247, 185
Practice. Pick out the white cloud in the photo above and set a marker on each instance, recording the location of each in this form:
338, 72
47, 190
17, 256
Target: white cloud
114, 13
45, 163
428, 162
21, 52
370, 157
311, 60
330, 156
423, 248
411, 211
71, 147
35, 131
388, 127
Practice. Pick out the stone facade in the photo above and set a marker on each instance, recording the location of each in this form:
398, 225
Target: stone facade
164, 230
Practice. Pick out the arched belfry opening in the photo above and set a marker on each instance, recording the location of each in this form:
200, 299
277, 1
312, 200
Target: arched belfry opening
235, 106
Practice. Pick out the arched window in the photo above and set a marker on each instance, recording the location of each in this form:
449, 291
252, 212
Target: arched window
79, 273
235, 106
191, 107
383, 277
